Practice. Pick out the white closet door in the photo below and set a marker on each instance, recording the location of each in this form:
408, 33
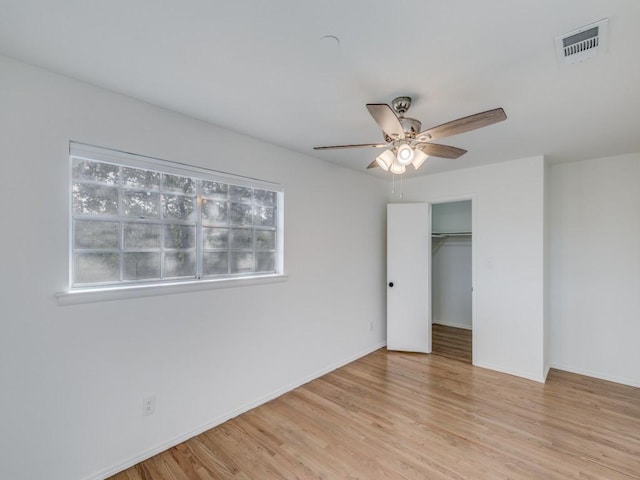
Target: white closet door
408, 267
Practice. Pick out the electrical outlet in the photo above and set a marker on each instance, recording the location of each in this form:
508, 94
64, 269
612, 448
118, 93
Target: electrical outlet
148, 405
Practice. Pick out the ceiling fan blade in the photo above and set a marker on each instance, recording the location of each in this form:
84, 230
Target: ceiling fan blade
464, 124
386, 119
370, 145
442, 151
373, 164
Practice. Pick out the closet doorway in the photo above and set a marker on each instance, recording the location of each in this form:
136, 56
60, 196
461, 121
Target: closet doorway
451, 279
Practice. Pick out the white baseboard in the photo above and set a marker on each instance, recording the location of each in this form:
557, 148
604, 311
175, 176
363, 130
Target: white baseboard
228, 416
452, 324
599, 375
526, 375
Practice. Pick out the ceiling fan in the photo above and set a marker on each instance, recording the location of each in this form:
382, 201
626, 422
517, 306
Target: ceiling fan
405, 142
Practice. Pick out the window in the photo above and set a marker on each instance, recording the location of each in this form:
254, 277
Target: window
137, 220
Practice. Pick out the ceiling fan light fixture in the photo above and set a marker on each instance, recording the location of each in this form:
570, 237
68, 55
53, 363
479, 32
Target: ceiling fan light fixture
397, 168
385, 160
419, 158
405, 154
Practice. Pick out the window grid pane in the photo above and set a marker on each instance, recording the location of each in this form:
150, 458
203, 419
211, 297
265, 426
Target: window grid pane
132, 225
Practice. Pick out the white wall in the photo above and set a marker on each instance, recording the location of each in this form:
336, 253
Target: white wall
451, 283
508, 235
451, 265
73, 377
595, 268
451, 217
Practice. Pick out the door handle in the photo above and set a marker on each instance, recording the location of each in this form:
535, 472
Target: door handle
391, 284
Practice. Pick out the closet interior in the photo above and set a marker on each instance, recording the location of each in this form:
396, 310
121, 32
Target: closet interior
451, 279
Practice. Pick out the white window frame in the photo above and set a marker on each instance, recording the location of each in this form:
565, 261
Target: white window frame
161, 287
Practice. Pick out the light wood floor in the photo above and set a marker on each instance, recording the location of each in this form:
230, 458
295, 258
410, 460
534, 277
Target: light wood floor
395, 416
451, 342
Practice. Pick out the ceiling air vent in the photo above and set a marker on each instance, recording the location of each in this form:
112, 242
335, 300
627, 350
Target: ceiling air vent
583, 43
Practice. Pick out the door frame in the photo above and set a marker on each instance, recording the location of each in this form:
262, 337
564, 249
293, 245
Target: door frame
474, 257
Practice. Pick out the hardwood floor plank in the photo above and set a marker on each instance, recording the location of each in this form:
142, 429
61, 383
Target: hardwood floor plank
393, 415
451, 342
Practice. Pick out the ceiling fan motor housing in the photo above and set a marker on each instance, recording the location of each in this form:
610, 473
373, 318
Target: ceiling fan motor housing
410, 126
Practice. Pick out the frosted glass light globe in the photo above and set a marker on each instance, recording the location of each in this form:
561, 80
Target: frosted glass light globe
405, 154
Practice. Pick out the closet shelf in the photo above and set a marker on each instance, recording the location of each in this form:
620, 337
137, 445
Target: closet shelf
451, 234
440, 238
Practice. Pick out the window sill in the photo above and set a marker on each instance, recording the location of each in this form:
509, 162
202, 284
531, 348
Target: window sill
91, 295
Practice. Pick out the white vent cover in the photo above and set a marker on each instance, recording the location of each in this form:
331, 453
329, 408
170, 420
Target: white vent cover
583, 43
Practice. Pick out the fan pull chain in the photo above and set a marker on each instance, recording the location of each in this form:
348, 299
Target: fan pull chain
393, 188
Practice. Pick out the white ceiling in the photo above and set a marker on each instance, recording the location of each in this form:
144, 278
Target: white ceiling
261, 68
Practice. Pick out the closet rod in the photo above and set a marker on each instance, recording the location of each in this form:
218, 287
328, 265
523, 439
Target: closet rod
454, 234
